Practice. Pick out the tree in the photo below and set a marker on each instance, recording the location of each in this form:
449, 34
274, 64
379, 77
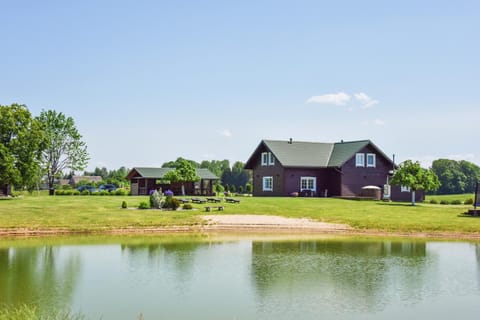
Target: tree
64, 146
456, 176
411, 174
184, 172
178, 162
21, 143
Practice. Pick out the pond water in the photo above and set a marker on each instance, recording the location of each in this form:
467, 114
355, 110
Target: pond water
245, 277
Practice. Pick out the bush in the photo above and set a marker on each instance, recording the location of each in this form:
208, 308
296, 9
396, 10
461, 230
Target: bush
124, 204
249, 188
68, 192
456, 202
59, 192
75, 192
85, 192
187, 206
444, 202
103, 193
433, 201
240, 189
171, 203
121, 192
95, 193
469, 201
156, 200
143, 205
66, 187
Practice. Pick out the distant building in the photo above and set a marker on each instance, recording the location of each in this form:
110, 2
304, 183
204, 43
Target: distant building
4, 190
74, 180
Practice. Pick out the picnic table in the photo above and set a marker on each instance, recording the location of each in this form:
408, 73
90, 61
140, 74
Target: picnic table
216, 200
231, 200
198, 200
209, 208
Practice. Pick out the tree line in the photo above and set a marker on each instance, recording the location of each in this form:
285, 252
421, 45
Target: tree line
34, 147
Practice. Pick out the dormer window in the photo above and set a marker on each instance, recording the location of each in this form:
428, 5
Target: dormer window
268, 159
371, 160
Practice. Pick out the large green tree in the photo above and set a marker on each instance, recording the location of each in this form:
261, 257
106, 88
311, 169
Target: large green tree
456, 176
65, 149
411, 174
184, 172
21, 143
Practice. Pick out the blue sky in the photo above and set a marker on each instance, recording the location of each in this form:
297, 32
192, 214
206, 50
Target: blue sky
148, 81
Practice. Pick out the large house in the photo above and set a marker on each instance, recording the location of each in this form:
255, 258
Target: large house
342, 169
143, 180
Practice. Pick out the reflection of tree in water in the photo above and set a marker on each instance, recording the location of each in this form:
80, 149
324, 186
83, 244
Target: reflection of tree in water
348, 274
477, 252
36, 276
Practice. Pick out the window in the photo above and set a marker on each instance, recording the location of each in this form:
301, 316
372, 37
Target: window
404, 189
371, 161
267, 159
360, 160
308, 183
267, 184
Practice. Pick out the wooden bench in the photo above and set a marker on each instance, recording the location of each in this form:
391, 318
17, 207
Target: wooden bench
198, 200
210, 208
231, 200
184, 200
216, 200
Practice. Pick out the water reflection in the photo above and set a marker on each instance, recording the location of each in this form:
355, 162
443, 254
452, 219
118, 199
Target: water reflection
342, 275
38, 275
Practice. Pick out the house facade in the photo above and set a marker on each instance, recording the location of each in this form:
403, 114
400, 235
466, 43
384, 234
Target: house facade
142, 180
343, 169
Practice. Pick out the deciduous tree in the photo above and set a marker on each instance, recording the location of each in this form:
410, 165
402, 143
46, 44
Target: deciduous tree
411, 174
64, 146
184, 172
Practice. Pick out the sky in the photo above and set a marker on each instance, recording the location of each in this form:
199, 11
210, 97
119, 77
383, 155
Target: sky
149, 81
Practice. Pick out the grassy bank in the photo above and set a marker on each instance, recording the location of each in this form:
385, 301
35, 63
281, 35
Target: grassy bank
89, 213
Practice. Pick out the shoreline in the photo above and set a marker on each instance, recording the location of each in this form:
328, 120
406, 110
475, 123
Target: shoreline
246, 224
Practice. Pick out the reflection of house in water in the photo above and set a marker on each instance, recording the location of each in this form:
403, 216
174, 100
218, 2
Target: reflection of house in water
351, 275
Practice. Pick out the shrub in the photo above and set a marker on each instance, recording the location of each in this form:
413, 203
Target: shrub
156, 200
456, 202
66, 187
85, 192
240, 189
444, 202
233, 188
187, 206
433, 201
249, 188
219, 188
59, 192
95, 193
124, 204
68, 192
143, 205
121, 192
75, 192
469, 201
103, 193
171, 203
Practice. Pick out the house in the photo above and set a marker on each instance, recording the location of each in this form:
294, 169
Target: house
142, 180
342, 169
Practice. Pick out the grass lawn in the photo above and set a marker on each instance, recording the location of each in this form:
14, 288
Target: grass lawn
98, 213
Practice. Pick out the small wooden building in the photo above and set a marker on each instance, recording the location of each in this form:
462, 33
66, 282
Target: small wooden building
143, 180
4, 190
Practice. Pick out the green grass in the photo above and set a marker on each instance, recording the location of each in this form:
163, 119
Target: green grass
450, 197
103, 213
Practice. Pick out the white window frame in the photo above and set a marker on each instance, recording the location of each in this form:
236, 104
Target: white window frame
372, 156
265, 183
360, 160
271, 159
307, 180
267, 159
404, 189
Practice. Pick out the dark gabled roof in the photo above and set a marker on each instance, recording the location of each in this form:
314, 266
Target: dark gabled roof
158, 173
311, 154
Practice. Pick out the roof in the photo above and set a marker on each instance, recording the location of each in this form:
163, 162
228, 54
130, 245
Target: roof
312, 154
158, 173
77, 179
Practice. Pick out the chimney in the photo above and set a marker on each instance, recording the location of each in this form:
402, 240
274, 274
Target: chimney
290, 141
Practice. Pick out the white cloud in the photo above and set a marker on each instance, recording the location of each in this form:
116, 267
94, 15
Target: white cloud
365, 100
226, 133
338, 99
376, 122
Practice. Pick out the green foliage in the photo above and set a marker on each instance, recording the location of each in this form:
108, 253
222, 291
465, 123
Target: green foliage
124, 204
240, 189
219, 188
75, 192
232, 188
85, 192
433, 201
103, 193
249, 188
237, 176
121, 192
171, 203
184, 172
143, 205
180, 162
456, 202
443, 201
456, 176
59, 192
469, 201
66, 187
21, 143
216, 167
187, 206
64, 148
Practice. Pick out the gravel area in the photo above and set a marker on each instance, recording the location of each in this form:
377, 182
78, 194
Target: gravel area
270, 222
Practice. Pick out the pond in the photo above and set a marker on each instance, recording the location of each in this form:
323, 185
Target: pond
243, 277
